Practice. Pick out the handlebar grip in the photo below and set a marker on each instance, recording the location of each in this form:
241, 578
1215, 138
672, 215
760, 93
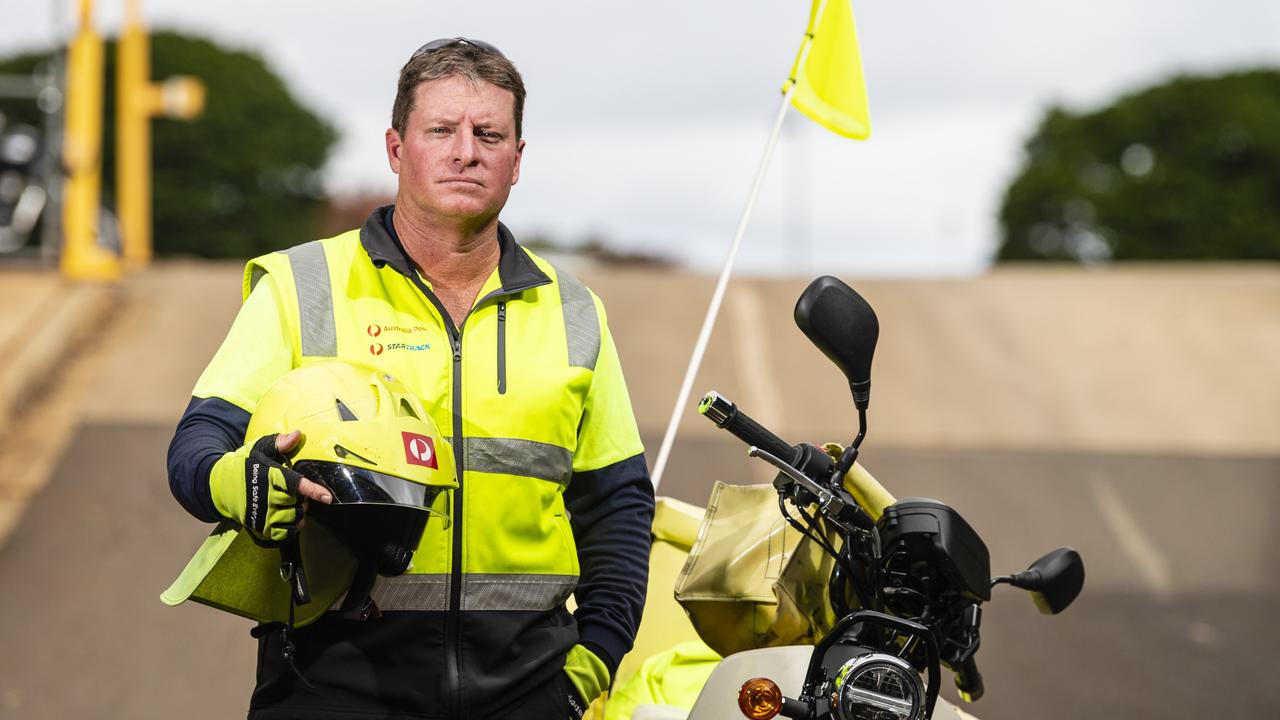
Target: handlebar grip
969, 680
725, 414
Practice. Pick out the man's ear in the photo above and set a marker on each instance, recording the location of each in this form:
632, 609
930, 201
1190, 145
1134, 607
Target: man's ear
394, 145
515, 171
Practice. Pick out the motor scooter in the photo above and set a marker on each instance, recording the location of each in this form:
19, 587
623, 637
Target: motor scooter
909, 578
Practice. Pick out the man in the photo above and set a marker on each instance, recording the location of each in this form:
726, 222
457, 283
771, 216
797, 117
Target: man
515, 363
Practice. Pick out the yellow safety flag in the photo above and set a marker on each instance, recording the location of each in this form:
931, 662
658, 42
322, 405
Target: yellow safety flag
828, 72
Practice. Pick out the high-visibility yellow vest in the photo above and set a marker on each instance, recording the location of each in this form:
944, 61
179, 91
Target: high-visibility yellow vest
528, 392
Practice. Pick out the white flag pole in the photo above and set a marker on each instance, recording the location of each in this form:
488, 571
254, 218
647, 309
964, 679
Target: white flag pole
722, 284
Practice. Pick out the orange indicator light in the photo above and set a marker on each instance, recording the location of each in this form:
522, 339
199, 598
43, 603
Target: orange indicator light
760, 699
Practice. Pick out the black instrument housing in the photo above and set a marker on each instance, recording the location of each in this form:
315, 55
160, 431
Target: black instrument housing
930, 531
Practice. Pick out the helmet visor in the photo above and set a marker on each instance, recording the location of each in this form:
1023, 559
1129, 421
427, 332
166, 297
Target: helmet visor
352, 485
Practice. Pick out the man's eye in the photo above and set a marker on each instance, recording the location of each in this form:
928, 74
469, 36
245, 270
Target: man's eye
439, 130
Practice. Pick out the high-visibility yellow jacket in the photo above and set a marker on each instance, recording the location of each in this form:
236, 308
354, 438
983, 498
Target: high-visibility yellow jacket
529, 390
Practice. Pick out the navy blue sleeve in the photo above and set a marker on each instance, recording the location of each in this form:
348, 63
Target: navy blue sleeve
210, 428
611, 511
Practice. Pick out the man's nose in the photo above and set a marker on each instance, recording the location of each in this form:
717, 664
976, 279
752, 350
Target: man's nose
465, 148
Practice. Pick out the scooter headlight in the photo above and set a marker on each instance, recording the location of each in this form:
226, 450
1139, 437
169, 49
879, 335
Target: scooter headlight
877, 686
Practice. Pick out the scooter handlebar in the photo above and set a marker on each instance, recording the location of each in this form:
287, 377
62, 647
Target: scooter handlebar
725, 414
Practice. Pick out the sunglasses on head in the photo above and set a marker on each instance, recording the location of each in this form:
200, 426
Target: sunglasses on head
446, 42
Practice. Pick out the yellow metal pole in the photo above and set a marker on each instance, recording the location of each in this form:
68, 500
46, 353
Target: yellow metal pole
82, 257
137, 101
133, 139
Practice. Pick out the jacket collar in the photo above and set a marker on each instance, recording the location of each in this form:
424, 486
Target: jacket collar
516, 270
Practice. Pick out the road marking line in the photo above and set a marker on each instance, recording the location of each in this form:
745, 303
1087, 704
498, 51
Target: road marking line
746, 313
751, 352
1142, 552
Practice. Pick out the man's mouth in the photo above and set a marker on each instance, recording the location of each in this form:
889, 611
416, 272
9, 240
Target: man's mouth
461, 179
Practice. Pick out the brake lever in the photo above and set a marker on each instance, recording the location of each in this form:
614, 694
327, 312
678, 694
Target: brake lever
835, 508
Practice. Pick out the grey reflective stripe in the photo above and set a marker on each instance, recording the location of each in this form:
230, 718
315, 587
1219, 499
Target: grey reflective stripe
479, 592
581, 325
516, 592
411, 592
315, 300
513, 456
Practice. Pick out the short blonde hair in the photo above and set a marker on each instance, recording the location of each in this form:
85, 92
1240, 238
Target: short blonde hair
461, 59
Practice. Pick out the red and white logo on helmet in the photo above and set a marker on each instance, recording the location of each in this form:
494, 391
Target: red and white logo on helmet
419, 450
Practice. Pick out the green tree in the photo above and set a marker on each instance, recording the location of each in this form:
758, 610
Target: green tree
240, 180
1189, 169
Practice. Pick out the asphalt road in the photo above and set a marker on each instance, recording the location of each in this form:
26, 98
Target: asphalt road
84, 634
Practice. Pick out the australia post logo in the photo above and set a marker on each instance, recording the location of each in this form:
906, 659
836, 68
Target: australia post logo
381, 344
419, 450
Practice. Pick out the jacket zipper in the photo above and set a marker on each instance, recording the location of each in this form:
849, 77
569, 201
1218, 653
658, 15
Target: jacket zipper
502, 347
453, 625
453, 618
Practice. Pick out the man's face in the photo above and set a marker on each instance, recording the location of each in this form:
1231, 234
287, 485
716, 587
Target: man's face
459, 155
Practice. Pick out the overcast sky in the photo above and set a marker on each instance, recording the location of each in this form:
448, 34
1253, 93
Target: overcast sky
645, 120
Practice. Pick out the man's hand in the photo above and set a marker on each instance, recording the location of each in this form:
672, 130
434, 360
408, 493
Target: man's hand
588, 677
306, 488
253, 487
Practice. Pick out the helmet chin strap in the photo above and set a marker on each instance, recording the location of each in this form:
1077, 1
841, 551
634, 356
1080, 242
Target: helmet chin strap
358, 605
299, 594
291, 572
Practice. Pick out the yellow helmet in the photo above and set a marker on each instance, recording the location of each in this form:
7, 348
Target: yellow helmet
368, 440
364, 436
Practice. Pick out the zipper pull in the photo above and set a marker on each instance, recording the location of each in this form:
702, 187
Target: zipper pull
457, 349
502, 347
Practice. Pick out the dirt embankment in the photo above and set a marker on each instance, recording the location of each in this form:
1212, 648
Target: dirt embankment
1161, 359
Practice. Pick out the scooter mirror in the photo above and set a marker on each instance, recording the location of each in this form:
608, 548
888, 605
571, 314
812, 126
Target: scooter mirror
844, 327
1054, 580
